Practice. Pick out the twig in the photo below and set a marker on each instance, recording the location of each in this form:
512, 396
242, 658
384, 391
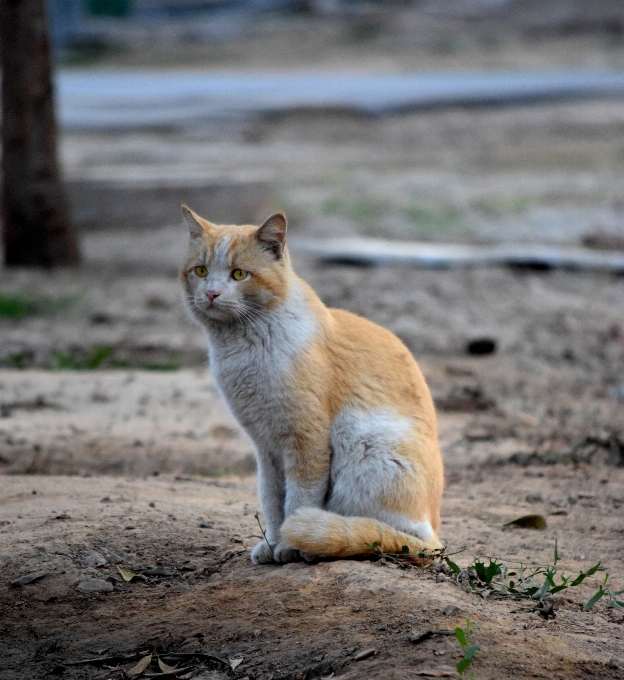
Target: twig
198, 655
103, 659
257, 516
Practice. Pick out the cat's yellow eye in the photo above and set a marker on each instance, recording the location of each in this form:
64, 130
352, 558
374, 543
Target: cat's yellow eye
239, 275
201, 271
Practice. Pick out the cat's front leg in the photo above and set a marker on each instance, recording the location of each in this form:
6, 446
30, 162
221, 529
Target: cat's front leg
300, 495
271, 492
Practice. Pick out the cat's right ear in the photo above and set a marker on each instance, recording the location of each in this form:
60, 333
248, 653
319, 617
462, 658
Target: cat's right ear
194, 222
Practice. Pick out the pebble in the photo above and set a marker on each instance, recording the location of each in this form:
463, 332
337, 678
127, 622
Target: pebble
95, 560
450, 610
613, 663
28, 578
364, 655
113, 558
95, 585
534, 498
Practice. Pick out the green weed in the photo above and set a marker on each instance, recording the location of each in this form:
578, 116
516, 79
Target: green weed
498, 207
359, 209
486, 575
100, 357
464, 637
534, 582
20, 305
429, 217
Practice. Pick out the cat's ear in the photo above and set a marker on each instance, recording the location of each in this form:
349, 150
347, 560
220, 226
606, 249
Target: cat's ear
197, 226
272, 234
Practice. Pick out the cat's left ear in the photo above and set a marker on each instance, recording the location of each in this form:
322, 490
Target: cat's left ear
272, 234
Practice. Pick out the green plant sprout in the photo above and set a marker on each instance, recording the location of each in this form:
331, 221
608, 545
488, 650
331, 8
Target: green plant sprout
464, 637
522, 581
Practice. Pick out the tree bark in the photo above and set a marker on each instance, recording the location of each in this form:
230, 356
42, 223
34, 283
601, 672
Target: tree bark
36, 227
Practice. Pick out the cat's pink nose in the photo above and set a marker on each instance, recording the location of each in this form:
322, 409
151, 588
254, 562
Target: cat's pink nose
212, 294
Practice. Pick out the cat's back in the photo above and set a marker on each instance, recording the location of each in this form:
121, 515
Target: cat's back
372, 363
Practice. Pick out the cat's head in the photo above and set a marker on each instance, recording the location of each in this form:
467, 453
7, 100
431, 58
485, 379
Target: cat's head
235, 273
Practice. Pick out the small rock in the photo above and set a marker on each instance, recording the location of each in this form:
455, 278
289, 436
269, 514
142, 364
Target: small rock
364, 654
28, 578
106, 499
481, 347
205, 525
191, 645
95, 585
572, 499
158, 571
440, 578
95, 560
416, 637
152, 504
450, 610
383, 626
613, 663
534, 498
113, 558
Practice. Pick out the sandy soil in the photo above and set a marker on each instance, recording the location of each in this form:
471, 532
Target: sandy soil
297, 620
535, 427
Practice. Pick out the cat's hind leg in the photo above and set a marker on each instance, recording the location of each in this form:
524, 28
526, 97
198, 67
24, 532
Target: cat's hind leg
384, 469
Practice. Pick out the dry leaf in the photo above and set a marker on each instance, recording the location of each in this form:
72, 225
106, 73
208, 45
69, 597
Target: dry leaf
527, 522
165, 668
235, 663
125, 574
140, 667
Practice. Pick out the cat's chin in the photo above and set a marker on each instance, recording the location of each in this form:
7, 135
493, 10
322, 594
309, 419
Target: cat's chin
214, 314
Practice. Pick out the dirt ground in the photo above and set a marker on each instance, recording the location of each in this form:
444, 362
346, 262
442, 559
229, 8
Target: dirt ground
535, 427
115, 449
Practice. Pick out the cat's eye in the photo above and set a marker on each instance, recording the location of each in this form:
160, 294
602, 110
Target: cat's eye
201, 271
239, 274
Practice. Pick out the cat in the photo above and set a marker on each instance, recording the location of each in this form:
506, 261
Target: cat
341, 417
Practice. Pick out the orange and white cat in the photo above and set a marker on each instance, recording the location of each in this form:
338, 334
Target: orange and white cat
340, 414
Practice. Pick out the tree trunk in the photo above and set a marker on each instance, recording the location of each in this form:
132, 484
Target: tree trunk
36, 227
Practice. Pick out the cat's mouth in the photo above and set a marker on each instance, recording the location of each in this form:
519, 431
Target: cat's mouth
214, 309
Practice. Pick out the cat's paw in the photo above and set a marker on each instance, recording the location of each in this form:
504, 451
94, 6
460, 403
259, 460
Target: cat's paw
284, 552
262, 554
309, 557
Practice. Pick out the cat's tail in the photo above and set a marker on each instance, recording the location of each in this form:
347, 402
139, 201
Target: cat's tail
325, 534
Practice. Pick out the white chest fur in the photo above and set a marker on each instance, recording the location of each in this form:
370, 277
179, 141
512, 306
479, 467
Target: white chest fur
252, 369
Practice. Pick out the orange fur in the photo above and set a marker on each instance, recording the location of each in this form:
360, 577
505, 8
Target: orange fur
345, 368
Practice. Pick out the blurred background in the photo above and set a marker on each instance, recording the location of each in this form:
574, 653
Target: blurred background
463, 123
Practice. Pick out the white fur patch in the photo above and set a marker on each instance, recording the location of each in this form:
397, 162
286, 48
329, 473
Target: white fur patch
220, 257
365, 466
251, 369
